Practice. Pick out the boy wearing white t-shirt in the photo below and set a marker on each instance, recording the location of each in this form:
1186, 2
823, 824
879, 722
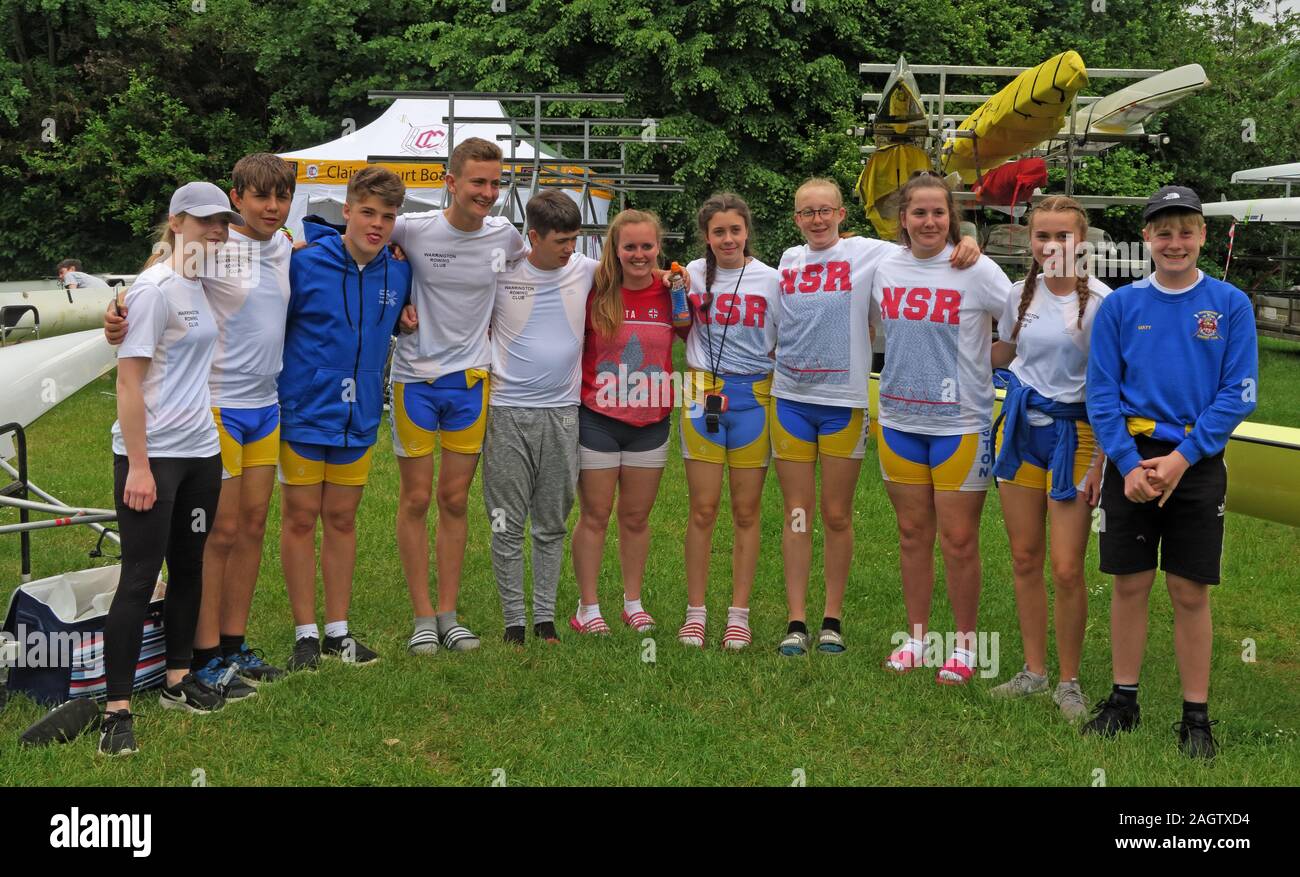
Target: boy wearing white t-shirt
530, 459
440, 378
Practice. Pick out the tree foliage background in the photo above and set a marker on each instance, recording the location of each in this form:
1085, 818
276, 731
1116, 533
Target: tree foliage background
142, 95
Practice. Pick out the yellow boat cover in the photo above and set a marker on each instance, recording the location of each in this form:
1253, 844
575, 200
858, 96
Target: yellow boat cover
1026, 112
885, 173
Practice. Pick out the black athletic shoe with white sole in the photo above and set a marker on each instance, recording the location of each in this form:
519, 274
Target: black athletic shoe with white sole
64, 723
348, 649
306, 654
115, 734
191, 695
1195, 738
1112, 716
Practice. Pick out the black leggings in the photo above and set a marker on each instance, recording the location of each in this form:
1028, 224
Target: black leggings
175, 530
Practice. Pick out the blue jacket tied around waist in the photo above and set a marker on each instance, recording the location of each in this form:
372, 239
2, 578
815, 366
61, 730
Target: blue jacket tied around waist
340, 322
1019, 399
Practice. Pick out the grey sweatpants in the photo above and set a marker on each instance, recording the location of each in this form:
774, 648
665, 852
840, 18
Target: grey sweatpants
530, 471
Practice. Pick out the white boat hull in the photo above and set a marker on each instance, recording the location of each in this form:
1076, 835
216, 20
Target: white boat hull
40, 374
58, 314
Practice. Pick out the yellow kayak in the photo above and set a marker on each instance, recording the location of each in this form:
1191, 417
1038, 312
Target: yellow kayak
1026, 112
885, 173
1264, 462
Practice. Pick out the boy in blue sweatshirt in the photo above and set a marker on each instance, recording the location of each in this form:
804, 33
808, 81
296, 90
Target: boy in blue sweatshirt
347, 293
1172, 372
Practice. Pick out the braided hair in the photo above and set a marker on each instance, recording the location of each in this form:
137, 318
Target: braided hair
1055, 204
717, 203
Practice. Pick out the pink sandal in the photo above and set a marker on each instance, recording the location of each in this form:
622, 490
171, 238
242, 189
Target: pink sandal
691, 634
736, 637
903, 661
639, 620
956, 668
595, 626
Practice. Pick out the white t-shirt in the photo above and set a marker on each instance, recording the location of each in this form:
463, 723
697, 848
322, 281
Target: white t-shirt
454, 276
82, 280
249, 300
938, 378
537, 330
741, 323
1200, 275
1051, 349
171, 324
823, 346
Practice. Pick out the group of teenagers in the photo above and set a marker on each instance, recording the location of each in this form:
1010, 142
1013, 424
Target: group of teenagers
228, 377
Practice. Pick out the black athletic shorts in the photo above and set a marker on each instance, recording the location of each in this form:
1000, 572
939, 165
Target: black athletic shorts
607, 443
1186, 535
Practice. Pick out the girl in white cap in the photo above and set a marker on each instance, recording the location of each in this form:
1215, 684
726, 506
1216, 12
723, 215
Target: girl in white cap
167, 461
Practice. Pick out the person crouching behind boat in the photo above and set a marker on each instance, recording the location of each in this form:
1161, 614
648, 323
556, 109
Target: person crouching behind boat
346, 295
167, 458
1047, 464
1174, 369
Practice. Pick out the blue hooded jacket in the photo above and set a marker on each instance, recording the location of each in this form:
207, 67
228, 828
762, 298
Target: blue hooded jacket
340, 322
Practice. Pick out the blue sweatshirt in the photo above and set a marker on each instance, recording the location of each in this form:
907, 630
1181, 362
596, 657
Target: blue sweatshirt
336, 341
1181, 367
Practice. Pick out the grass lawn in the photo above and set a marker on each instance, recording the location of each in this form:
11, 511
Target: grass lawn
599, 712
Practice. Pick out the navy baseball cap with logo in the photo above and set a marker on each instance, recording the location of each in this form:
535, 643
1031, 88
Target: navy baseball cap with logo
1171, 196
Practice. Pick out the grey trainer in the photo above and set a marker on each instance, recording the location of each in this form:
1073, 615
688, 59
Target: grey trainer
1022, 684
1069, 697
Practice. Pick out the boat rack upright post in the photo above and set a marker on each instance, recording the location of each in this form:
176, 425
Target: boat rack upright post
18, 490
537, 130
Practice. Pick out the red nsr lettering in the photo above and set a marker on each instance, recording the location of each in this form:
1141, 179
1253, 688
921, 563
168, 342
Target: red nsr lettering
830, 277
730, 308
921, 303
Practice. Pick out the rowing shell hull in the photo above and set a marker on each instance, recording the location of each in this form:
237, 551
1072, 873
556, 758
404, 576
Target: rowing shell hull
40, 374
1263, 462
1026, 112
1283, 211
59, 316
1125, 111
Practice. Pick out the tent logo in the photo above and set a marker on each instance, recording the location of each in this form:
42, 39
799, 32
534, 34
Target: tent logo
313, 171
425, 140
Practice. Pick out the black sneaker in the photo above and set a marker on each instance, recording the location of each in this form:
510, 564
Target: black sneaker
191, 695
306, 655
1112, 716
348, 649
252, 667
62, 724
514, 635
545, 631
115, 735
1194, 735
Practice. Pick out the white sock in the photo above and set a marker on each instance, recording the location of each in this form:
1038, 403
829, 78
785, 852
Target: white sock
915, 646
738, 617
697, 613
336, 629
302, 631
588, 612
966, 656
632, 607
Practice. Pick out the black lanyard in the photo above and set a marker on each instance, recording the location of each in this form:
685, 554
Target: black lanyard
714, 365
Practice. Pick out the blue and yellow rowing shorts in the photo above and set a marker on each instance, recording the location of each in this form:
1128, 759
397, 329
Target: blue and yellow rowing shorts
802, 430
454, 407
949, 462
741, 440
1036, 459
249, 437
302, 463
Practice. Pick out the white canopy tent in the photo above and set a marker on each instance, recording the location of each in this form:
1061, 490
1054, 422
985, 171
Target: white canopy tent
418, 128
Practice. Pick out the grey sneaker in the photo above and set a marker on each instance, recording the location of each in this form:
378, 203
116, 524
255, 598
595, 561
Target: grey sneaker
1069, 697
1022, 684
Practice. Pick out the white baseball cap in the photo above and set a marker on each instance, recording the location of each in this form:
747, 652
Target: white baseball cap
203, 199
